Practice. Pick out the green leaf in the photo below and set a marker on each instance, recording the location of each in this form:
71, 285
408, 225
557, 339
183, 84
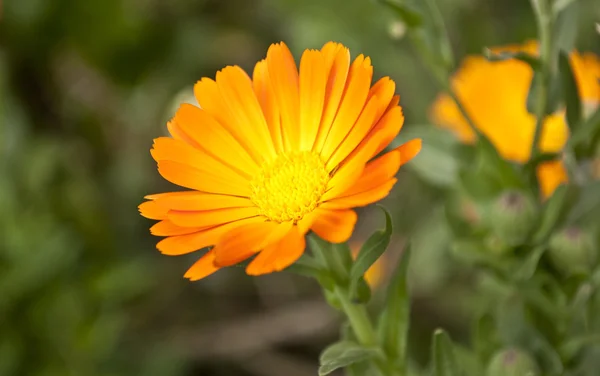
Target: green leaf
307, 266
527, 267
555, 210
566, 25
587, 208
394, 321
485, 337
444, 358
370, 252
533, 61
532, 94
405, 13
570, 92
343, 354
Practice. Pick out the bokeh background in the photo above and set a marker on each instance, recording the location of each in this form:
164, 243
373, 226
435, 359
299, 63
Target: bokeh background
84, 88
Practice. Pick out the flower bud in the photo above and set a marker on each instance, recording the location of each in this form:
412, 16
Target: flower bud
512, 362
572, 251
513, 216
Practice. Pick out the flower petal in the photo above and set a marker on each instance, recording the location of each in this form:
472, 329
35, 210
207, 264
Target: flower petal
170, 149
192, 178
194, 200
551, 175
279, 255
203, 131
243, 242
151, 210
168, 228
210, 218
353, 102
313, 81
248, 120
266, 98
335, 226
182, 244
337, 61
361, 199
202, 268
283, 74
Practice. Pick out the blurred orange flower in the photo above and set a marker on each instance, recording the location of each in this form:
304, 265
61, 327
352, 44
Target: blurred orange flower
495, 93
271, 157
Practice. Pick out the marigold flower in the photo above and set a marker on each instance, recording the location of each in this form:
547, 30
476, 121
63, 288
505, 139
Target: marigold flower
495, 93
271, 157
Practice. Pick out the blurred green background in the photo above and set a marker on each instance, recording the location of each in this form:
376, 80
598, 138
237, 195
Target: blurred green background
86, 85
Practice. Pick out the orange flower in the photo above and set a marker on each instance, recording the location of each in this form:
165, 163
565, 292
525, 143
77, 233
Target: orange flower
271, 157
495, 93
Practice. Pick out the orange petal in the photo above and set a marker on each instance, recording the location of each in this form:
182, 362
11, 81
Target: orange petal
202, 130
384, 89
248, 120
209, 218
168, 228
266, 98
337, 61
208, 94
278, 256
283, 74
189, 177
313, 80
354, 100
151, 210
243, 242
409, 150
335, 226
353, 168
170, 149
194, 200
361, 199
376, 172
182, 244
356, 134
550, 176
202, 268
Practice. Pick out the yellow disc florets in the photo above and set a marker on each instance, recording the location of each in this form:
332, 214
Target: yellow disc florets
290, 186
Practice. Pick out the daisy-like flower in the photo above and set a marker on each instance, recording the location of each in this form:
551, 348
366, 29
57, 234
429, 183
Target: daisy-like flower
495, 94
267, 159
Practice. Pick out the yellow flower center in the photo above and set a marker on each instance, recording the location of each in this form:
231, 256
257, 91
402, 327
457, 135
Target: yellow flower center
290, 186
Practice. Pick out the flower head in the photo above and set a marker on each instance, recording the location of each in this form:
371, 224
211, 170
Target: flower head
495, 95
268, 158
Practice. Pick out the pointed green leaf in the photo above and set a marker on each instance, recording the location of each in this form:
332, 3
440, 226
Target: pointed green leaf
533, 61
527, 267
343, 354
443, 356
587, 131
405, 13
570, 92
370, 252
566, 25
485, 337
587, 208
394, 321
555, 210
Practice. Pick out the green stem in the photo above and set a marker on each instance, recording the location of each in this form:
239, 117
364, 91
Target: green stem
543, 12
358, 318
